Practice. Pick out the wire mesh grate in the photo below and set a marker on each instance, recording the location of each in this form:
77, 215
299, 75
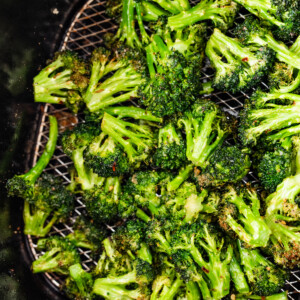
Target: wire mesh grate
84, 35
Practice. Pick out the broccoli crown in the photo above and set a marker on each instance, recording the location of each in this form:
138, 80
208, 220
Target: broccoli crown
244, 219
128, 71
59, 255
86, 234
105, 157
264, 277
62, 81
220, 12
203, 129
170, 153
102, 201
226, 164
268, 113
78, 137
283, 15
79, 283
238, 67
174, 78
275, 165
135, 139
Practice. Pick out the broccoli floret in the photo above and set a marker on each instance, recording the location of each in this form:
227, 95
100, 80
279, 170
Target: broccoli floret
220, 12
62, 81
251, 33
102, 201
203, 130
275, 164
264, 277
271, 115
244, 219
59, 255
170, 153
23, 185
238, 67
227, 164
79, 283
128, 66
86, 234
50, 202
136, 139
74, 142
283, 15
206, 245
174, 69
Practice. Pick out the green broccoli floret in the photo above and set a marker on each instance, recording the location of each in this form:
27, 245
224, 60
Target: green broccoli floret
238, 67
23, 185
264, 277
220, 12
136, 139
174, 67
244, 219
59, 255
86, 234
128, 69
203, 129
275, 164
273, 115
251, 33
170, 153
227, 164
283, 15
205, 244
50, 202
102, 201
79, 283
62, 81
74, 142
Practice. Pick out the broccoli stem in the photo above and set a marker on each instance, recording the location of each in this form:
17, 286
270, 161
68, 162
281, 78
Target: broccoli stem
238, 276
34, 173
200, 12
192, 291
142, 215
35, 221
206, 88
194, 205
46, 262
151, 12
144, 253
294, 130
120, 280
168, 135
173, 290
110, 291
280, 296
174, 7
184, 174
139, 16
205, 291
79, 276
132, 112
292, 87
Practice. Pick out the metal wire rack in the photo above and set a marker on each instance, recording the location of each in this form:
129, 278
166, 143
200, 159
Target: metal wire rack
85, 34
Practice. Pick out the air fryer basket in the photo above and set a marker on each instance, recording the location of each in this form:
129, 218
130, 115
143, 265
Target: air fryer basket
85, 34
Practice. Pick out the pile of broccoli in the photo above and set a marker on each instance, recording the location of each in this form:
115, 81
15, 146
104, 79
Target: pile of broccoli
160, 172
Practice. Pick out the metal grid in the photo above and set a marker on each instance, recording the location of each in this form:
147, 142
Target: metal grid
84, 35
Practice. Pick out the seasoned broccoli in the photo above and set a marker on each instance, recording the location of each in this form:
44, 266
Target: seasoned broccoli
136, 139
283, 15
275, 164
170, 153
62, 81
174, 67
59, 255
79, 283
86, 234
203, 129
50, 202
220, 12
23, 185
238, 67
129, 72
280, 296
74, 142
227, 164
269, 114
244, 219
251, 33
264, 277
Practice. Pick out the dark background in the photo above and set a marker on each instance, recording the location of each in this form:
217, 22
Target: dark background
30, 32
